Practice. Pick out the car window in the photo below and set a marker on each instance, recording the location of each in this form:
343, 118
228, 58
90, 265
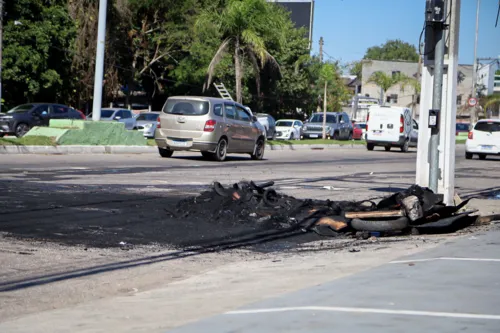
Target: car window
230, 111
242, 114
218, 110
43, 108
415, 125
147, 117
363, 126
59, 110
119, 114
186, 107
462, 127
21, 108
284, 123
126, 114
107, 113
271, 121
487, 127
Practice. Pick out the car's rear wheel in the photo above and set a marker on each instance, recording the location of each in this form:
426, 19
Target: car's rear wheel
468, 156
482, 156
221, 151
260, 147
165, 152
387, 148
22, 129
406, 146
370, 146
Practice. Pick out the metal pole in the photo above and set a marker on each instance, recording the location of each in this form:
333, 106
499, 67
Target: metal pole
99, 61
321, 43
1, 46
474, 67
437, 93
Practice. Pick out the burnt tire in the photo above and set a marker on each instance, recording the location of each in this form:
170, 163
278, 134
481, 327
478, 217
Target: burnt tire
165, 152
385, 225
370, 146
221, 151
260, 147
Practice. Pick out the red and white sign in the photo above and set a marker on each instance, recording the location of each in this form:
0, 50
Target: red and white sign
472, 101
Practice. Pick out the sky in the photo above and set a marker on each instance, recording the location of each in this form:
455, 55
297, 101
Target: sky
349, 27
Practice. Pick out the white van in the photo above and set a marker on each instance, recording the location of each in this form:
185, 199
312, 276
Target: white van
391, 126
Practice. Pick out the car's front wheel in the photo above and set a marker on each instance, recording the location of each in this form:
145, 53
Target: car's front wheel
165, 152
258, 153
22, 129
468, 156
482, 156
370, 146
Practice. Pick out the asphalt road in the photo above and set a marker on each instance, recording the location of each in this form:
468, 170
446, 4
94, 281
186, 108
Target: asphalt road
453, 288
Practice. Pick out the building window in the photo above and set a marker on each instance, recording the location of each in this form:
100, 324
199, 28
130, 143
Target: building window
395, 73
459, 100
393, 98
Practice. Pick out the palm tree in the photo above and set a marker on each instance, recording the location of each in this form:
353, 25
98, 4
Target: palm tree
244, 27
386, 81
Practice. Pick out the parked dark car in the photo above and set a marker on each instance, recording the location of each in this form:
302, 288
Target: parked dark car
22, 118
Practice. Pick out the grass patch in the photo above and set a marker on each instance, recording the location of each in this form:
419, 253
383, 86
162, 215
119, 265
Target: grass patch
315, 142
152, 142
28, 141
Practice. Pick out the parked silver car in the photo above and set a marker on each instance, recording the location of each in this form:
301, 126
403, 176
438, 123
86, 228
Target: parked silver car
121, 115
269, 124
213, 126
146, 122
338, 126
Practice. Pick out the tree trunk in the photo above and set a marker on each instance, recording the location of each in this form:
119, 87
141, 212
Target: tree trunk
324, 111
238, 70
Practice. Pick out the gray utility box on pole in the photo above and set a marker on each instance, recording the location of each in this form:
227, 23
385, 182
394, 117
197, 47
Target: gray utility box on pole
447, 114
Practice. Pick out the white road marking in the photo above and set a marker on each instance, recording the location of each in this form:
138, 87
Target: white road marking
369, 310
444, 258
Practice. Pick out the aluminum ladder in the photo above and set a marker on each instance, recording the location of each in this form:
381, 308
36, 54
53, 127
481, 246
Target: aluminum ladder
223, 91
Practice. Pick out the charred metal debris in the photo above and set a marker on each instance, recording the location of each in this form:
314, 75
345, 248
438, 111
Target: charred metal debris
413, 211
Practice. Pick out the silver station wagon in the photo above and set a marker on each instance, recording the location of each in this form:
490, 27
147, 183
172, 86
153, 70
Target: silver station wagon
213, 126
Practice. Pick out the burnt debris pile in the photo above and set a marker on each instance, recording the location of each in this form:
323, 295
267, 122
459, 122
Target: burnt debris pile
415, 210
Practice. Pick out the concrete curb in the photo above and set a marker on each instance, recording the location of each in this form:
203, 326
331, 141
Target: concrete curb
74, 150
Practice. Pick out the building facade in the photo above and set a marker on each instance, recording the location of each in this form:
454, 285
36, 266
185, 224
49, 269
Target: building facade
404, 96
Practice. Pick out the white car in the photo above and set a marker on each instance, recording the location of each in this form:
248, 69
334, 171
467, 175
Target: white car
483, 139
288, 129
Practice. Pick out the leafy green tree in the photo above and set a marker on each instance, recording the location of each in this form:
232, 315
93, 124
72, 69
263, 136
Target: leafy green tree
36, 57
243, 27
387, 81
392, 50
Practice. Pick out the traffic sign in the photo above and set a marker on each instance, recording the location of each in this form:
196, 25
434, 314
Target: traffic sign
472, 101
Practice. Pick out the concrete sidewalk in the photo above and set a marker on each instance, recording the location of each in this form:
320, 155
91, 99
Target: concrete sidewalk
452, 288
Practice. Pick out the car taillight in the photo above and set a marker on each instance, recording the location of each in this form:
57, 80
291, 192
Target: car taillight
210, 125
471, 135
367, 118
158, 123
401, 124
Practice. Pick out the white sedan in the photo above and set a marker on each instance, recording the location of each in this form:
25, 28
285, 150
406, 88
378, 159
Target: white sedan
288, 129
484, 139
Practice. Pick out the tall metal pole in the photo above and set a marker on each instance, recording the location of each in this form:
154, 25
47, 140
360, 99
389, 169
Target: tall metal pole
437, 93
1, 47
99, 60
474, 67
321, 43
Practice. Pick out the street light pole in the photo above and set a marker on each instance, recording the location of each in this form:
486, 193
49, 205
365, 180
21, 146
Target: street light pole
99, 61
474, 67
